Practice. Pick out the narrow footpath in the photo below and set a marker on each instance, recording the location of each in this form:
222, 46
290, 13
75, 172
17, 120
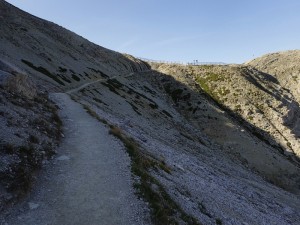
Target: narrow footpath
89, 181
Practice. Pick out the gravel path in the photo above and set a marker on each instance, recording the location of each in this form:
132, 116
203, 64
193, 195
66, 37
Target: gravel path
90, 181
83, 86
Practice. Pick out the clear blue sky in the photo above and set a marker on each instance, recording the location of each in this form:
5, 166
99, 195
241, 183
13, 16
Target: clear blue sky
231, 31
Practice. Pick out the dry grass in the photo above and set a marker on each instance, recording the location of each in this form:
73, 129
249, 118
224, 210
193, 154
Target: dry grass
94, 114
163, 209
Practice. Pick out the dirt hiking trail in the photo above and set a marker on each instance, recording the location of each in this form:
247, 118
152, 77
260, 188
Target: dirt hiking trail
89, 182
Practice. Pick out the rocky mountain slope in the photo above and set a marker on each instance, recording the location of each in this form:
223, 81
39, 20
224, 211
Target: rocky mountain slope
208, 144
282, 65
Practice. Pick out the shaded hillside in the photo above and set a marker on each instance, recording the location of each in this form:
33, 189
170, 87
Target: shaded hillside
196, 156
55, 55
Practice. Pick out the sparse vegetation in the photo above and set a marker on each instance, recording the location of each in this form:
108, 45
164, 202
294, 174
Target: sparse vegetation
176, 94
167, 113
153, 106
64, 78
115, 83
203, 83
75, 77
36, 143
43, 71
33, 139
62, 70
219, 222
110, 87
18, 178
94, 114
163, 209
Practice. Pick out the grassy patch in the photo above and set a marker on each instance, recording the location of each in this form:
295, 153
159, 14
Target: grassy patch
204, 84
75, 77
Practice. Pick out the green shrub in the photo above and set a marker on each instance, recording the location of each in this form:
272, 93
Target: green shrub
75, 77
43, 71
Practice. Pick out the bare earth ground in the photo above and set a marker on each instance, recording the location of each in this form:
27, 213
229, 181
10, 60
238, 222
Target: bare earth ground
90, 181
